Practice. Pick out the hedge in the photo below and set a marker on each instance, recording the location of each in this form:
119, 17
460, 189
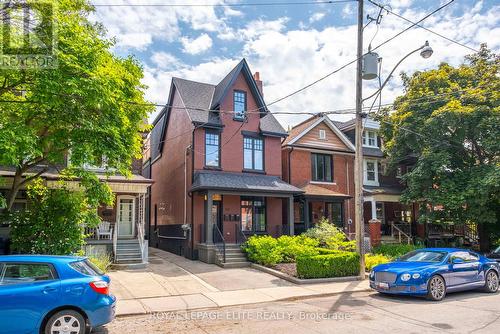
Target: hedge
329, 265
394, 250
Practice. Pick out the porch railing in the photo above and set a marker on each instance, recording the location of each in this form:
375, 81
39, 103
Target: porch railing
398, 233
219, 241
115, 241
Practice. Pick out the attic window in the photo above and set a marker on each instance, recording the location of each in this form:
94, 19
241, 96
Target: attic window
322, 134
239, 104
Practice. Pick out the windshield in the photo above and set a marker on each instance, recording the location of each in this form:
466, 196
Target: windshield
497, 250
423, 256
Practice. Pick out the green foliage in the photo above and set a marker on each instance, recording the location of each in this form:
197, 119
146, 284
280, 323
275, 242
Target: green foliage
394, 250
92, 104
43, 229
454, 139
340, 242
325, 251
103, 261
293, 247
330, 265
324, 231
372, 260
263, 250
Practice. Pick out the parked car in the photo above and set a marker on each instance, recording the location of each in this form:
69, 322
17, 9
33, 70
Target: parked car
433, 272
53, 294
495, 255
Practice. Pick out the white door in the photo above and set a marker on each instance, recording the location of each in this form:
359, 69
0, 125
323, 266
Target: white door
126, 216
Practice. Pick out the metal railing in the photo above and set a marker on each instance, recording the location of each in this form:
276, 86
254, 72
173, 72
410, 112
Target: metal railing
240, 236
142, 242
219, 241
397, 232
115, 241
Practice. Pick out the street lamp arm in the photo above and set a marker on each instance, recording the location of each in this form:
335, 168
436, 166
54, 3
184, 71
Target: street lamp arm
390, 74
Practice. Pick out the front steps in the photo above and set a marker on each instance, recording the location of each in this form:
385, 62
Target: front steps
128, 254
235, 258
387, 239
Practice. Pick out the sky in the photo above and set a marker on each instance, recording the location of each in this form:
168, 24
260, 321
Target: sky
291, 46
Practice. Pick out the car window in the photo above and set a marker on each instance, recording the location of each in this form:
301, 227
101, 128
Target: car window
423, 256
497, 250
18, 273
464, 256
86, 267
472, 257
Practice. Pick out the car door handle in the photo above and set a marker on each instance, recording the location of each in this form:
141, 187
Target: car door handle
48, 289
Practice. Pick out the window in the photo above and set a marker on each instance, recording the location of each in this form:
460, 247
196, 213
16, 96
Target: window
86, 267
322, 167
370, 138
322, 134
253, 153
253, 214
212, 148
371, 172
19, 273
334, 213
239, 104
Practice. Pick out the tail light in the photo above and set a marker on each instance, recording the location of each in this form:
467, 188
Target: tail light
100, 287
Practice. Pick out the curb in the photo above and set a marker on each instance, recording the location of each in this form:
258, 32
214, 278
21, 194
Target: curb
300, 281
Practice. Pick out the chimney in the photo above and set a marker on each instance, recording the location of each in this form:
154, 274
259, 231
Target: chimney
256, 77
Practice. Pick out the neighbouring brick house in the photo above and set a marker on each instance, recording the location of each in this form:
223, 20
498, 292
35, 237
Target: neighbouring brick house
215, 161
123, 222
319, 159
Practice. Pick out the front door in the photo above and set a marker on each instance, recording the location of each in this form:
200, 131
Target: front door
217, 214
126, 216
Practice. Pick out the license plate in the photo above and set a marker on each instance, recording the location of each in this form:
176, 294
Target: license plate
383, 285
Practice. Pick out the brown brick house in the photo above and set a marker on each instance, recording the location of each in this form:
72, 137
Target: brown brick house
318, 158
215, 159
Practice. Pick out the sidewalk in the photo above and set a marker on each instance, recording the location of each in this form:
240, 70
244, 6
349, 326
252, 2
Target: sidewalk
173, 283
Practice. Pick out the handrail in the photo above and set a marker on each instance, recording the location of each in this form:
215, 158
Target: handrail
218, 238
115, 240
142, 242
241, 238
400, 232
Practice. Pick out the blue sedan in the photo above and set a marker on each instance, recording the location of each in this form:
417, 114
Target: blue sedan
433, 272
53, 294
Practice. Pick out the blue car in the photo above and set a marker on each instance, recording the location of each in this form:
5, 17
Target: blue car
53, 294
433, 272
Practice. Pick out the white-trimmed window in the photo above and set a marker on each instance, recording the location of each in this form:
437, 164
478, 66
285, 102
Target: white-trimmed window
370, 172
322, 134
370, 138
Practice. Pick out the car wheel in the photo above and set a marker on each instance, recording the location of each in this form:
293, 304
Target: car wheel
66, 322
436, 288
491, 284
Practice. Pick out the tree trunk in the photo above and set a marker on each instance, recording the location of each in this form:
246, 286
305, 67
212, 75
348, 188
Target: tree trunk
484, 238
16, 185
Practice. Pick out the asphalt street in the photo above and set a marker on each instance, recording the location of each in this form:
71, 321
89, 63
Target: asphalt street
361, 312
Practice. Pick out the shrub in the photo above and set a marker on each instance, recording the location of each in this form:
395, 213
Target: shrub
394, 250
372, 260
325, 251
340, 242
331, 265
263, 249
102, 261
324, 231
293, 247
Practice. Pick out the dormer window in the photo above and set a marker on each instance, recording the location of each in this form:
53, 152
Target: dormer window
239, 104
370, 138
322, 134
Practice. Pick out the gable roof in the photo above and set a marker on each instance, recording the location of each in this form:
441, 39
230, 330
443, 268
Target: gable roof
309, 124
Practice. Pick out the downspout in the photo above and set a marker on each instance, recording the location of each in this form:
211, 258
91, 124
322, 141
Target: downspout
290, 165
191, 195
348, 192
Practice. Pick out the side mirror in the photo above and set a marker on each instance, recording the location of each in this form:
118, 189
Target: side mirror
457, 260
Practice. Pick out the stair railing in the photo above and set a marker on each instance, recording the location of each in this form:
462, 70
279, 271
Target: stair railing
115, 240
241, 238
400, 234
219, 241
142, 242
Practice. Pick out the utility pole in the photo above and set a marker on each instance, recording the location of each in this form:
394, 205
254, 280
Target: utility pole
358, 160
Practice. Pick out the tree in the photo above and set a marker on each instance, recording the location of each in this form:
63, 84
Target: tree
91, 105
448, 120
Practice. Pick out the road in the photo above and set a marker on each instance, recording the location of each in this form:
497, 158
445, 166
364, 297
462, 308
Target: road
362, 312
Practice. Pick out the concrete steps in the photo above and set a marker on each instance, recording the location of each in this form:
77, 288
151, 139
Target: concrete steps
128, 251
235, 258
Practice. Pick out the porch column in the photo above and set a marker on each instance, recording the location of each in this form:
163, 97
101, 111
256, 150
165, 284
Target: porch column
307, 223
290, 216
374, 208
209, 224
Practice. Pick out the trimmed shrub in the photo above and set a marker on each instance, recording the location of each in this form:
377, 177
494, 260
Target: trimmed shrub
372, 260
323, 231
331, 265
325, 251
394, 250
263, 250
293, 247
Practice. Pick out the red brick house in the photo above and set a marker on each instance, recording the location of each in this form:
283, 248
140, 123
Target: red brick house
319, 159
215, 160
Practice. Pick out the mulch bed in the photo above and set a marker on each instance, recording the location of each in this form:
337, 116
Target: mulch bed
287, 268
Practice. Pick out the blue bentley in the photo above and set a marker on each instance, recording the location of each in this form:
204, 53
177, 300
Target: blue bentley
433, 272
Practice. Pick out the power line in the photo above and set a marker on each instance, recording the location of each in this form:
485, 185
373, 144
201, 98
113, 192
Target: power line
242, 4
422, 27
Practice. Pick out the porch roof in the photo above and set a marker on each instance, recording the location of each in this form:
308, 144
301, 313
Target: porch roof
244, 183
389, 190
314, 190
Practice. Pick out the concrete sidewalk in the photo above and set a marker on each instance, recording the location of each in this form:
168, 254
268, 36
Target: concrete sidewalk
173, 283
